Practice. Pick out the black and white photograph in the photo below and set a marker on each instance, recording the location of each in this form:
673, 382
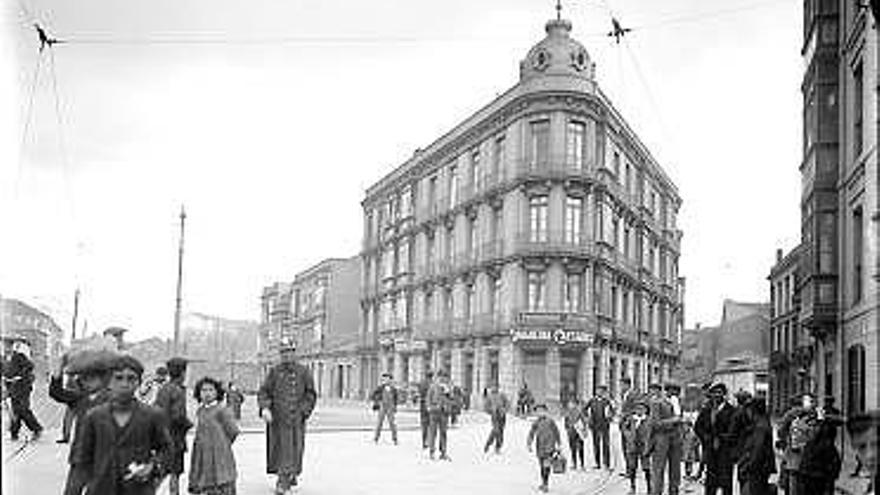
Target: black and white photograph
579, 247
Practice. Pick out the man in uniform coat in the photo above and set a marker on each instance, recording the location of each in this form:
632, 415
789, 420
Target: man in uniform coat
286, 399
664, 441
714, 427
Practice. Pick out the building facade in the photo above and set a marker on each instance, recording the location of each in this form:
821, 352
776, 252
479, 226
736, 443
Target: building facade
276, 319
791, 347
840, 208
535, 243
319, 310
19, 320
325, 323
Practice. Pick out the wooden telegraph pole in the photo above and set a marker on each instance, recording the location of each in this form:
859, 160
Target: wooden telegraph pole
179, 283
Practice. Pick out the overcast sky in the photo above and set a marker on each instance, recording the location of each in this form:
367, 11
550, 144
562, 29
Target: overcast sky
272, 126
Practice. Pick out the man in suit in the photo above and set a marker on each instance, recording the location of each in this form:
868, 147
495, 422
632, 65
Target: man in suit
439, 406
286, 398
384, 399
664, 443
714, 427
599, 412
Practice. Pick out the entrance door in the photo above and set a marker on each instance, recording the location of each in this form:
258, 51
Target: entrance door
535, 373
569, 371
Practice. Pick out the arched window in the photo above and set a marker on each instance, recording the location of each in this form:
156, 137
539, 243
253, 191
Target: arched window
856, 379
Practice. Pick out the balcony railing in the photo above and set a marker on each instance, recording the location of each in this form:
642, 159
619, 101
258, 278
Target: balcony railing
553, 242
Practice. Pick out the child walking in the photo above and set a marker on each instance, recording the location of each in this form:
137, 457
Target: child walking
545, 435
691, 448
212, 469
635, 436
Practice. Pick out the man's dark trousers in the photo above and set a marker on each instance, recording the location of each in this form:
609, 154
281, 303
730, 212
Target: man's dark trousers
438, 425
21, 412
666, 454
601, 445
425, 423
497, 435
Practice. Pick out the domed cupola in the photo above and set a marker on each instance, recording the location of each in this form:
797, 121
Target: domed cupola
557, 55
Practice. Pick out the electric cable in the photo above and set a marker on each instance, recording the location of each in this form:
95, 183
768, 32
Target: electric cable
27, 120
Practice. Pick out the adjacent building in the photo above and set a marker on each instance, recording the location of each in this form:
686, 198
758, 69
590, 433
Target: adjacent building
319, 309
19, 320
223, 348
534, 243
838, 261
791, 348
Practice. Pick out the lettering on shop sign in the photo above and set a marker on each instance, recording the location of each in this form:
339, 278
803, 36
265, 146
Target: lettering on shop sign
557, 336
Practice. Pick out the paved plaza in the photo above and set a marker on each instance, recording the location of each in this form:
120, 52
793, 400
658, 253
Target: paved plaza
342, 458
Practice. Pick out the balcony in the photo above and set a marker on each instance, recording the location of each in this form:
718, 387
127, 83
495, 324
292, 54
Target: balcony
553, 166
673, 238
553, 243
491, 250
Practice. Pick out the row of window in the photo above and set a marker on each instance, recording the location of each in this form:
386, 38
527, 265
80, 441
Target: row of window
610, 298
610, 227
538, 154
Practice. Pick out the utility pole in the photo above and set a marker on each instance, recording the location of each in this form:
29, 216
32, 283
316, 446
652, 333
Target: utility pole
75, 315
179, 283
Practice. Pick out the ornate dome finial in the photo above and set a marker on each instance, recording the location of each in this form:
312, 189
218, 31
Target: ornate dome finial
557, 53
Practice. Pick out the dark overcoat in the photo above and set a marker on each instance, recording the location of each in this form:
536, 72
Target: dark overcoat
289, 393
102, 450
718, 439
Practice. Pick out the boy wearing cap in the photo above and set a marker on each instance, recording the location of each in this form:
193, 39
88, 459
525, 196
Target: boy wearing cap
636, 435
545, 435
120, 445
384, 399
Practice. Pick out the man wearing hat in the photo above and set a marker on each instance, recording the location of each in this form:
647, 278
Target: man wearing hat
384, 399
664, 443
171, 400
286, 398
714, 428
599, 412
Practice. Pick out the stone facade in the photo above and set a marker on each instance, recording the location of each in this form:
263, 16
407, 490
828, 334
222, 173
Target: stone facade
535, 242
839, 260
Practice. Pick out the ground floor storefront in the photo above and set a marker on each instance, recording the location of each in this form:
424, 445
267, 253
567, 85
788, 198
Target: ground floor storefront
554, 365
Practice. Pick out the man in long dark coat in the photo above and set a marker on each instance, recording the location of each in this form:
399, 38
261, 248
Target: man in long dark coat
287, 398
714, 427
599, 411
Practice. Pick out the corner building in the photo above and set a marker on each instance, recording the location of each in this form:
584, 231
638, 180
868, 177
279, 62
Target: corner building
535, 243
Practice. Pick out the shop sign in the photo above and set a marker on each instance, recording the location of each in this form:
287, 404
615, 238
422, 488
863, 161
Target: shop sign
558, 336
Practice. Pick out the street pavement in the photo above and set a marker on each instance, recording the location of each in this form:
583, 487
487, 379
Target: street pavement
341, 457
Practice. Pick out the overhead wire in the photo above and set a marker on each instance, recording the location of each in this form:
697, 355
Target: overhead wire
29, 108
